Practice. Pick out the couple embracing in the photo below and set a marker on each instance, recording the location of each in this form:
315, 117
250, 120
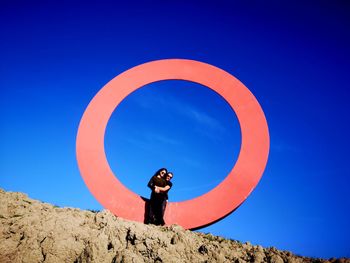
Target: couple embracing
160, 185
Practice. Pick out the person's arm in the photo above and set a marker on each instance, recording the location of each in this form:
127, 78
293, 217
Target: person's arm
163, 189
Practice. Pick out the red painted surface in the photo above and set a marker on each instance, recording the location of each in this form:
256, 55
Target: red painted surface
202, 210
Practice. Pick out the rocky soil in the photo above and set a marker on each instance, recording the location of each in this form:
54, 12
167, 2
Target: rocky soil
33, 231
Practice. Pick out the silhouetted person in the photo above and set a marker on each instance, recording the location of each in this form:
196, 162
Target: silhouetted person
155, 215
165, 190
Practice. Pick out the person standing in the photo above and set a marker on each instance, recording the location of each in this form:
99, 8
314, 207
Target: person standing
165, 190
155, 213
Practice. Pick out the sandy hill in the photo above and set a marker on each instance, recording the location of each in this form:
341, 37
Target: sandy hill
33, 231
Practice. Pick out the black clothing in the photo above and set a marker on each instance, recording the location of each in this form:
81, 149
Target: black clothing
166, 193
156, 181
156, 201
165, 201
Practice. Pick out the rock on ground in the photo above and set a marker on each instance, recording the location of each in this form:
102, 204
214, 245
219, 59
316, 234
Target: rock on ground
33, 231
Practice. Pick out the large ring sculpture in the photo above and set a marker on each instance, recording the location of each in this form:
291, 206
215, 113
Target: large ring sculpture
200, 211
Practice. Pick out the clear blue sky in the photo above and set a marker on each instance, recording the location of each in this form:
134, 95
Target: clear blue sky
293, 55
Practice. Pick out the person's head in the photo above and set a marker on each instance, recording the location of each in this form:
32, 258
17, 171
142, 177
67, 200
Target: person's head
169, 176
161, 172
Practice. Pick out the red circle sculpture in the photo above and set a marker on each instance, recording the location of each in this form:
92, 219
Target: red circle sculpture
200, 211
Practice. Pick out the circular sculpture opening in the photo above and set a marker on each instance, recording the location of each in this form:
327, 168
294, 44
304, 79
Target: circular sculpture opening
177, 124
